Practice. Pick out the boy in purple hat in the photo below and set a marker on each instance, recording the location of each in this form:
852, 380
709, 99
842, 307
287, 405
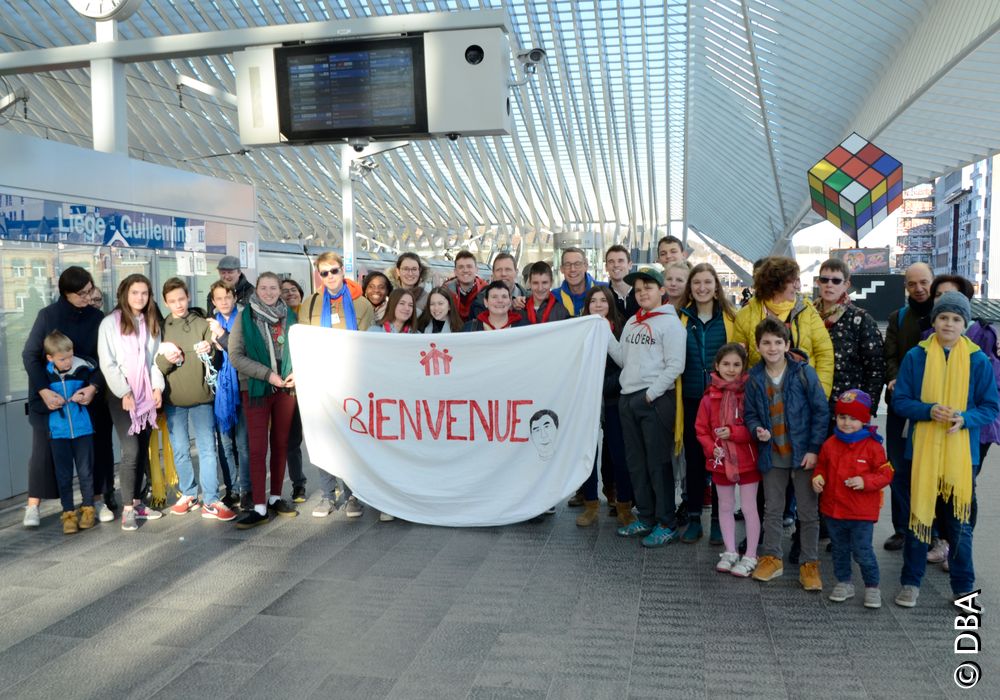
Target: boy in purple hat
851, 472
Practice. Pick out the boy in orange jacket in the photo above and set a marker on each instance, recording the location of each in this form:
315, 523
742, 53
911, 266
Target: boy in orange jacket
851, 472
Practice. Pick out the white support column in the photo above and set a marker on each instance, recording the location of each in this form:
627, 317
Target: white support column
347, 212
109, 113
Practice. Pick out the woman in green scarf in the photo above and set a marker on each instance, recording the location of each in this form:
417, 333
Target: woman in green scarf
258, 349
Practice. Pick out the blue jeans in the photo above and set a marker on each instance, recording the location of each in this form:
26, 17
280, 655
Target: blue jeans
853, 536
203, 419
64, 453
235, 456
329, 483
959, 537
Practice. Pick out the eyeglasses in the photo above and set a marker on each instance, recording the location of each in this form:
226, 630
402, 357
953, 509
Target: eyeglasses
574, 265
85, 292
331, 271
831, 280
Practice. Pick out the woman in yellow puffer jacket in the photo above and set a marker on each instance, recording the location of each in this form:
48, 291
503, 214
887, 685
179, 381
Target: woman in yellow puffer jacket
775, 295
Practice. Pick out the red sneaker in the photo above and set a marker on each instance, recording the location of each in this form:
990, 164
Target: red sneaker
218, 511
183, 505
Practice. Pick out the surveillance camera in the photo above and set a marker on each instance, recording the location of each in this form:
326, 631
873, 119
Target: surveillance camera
531, 57
358, 144
453, 136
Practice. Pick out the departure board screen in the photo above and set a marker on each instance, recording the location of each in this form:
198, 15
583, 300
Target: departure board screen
351, 89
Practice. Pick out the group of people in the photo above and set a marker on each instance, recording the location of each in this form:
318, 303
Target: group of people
771, 404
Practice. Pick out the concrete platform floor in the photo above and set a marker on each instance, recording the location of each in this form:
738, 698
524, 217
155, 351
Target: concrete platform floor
337, 608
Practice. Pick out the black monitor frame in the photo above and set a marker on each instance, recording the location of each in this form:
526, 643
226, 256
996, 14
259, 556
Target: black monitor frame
414, 42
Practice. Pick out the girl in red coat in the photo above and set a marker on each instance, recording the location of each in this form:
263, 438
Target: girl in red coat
851, 473
731, 457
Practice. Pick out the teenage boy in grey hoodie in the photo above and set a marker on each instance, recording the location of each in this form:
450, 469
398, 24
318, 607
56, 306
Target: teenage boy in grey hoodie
651, 353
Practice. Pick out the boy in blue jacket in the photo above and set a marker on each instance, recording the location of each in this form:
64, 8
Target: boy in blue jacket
71, 430
788, 412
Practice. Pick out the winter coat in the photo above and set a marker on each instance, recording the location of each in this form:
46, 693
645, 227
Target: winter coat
740, 436
983, 403
558, 312
312, 308
478, 285
186, 385
703, 341
111, 353
985, 336
906, 325
79, 325
573, 303
72, 420
807, 412
243, 291
839, 461
809, 335
859, 359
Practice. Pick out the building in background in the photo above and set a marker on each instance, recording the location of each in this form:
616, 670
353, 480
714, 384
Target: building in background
915, 239
964, 207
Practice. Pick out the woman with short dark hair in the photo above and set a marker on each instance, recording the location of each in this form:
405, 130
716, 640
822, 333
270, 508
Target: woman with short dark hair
74, 317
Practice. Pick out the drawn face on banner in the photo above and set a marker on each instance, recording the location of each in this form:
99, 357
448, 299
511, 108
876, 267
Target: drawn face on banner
544, 431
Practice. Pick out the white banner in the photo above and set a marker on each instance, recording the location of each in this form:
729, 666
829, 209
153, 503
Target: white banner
463, 429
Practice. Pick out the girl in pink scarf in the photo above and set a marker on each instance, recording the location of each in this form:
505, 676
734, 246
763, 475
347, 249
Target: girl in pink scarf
730, 456
128, 340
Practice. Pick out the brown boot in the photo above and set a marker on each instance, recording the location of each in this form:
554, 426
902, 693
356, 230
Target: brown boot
577, 500
591, 509
69, 522
87, 517
625, 517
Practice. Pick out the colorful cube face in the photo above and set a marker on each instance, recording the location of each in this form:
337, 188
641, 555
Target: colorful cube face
856, 186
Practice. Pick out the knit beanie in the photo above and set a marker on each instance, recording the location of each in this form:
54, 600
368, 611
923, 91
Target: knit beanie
955, 303
856, 403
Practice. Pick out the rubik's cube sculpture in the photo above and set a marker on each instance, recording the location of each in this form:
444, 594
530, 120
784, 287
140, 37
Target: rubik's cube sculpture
856, 186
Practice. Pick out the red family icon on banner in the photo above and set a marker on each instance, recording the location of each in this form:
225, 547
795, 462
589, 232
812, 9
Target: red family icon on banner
436, 361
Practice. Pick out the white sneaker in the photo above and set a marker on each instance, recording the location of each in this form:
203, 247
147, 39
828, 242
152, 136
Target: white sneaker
744, 567
386, 518
726, 561
104, 514
938, 552
323, 508
31, 516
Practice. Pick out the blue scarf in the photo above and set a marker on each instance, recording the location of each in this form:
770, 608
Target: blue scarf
869, 431
350, 319
227, 391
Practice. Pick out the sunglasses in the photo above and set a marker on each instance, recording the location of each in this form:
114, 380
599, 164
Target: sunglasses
331, 271
830, 280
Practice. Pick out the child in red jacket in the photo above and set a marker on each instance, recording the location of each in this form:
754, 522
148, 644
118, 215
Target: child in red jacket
730, 456
851, 472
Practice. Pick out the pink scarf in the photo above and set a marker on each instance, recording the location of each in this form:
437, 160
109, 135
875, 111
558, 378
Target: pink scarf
729, 415
137, 374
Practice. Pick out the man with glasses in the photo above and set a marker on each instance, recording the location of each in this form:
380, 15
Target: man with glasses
576, 281
343, 306
859, 362
906, 328
231, 274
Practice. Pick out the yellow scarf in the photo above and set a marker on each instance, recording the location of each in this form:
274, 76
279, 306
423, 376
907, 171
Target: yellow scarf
942, 463
781, 309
